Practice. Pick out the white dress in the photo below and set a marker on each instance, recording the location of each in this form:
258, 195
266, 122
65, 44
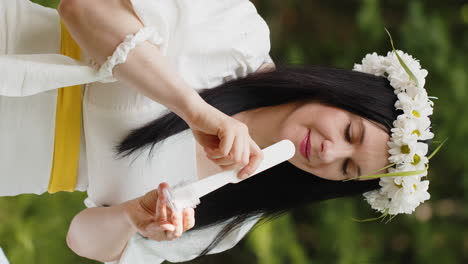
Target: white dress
209, 42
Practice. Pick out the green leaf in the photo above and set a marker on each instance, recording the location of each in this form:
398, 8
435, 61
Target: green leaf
371, 219
403, 64
437, 149
386, 167
391, 174
391, 218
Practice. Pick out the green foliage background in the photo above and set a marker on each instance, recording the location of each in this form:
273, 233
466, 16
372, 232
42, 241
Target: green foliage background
336, 33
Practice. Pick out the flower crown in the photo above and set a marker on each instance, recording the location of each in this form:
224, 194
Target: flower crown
408, 155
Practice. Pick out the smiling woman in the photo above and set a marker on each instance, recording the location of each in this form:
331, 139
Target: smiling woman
333, 143
329, 106
338, 119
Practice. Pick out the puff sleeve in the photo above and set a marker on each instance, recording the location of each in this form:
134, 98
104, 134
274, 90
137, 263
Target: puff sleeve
209, 41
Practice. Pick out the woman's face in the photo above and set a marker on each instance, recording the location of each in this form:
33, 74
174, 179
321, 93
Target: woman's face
333, 143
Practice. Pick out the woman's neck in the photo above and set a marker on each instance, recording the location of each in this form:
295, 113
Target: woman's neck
264, 123
264, 126
258, 122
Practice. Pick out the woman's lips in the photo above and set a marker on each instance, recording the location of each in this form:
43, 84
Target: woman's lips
305, 146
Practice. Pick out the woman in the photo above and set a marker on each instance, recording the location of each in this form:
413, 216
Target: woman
339, 121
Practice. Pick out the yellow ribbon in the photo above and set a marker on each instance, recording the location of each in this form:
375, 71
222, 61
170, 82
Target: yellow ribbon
67, 126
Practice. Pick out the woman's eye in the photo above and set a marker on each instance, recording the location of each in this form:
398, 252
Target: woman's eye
348, 133
345, 167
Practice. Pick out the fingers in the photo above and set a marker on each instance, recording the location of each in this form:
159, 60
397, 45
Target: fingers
161, 204
157, 228
227, 140
232, 137
167, 224
213, 154
246, 154
236, 149
182, 221
256, 157
189, 218
177, 221
236, 159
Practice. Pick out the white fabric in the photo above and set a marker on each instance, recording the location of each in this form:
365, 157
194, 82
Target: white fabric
27, 124
30, 70
208, 41
121, 52
141, 250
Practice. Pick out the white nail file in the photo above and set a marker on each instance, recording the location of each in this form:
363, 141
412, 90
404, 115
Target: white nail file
188, 195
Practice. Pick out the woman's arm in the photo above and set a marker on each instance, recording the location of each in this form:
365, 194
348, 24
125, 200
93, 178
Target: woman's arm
102, 233
100, 26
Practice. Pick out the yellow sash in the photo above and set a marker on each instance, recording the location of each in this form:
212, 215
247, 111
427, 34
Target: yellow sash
67, 127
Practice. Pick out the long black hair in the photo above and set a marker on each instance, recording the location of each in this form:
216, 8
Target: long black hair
282, 187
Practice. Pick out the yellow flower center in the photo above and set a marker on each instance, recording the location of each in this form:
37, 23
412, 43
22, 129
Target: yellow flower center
405, 149
416, 159
415, 187
416, 132
416, 113
399, 186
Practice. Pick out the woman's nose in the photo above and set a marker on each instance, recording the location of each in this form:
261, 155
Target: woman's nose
331, 151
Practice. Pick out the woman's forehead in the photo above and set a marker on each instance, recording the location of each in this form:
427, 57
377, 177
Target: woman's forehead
372, 154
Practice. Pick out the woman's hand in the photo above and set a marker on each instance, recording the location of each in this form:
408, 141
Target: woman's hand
226, 141
152, 218
110, 228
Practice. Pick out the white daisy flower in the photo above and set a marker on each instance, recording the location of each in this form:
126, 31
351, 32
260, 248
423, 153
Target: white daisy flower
418, 128
371, 63
377, 201
390, 186
404, 151
418, 107
397, 75
408, 198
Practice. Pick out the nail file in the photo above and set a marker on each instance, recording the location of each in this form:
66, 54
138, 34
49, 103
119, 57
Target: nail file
187, 195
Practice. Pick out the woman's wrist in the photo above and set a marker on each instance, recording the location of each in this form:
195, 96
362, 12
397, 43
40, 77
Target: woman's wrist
192, 107
129, 211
